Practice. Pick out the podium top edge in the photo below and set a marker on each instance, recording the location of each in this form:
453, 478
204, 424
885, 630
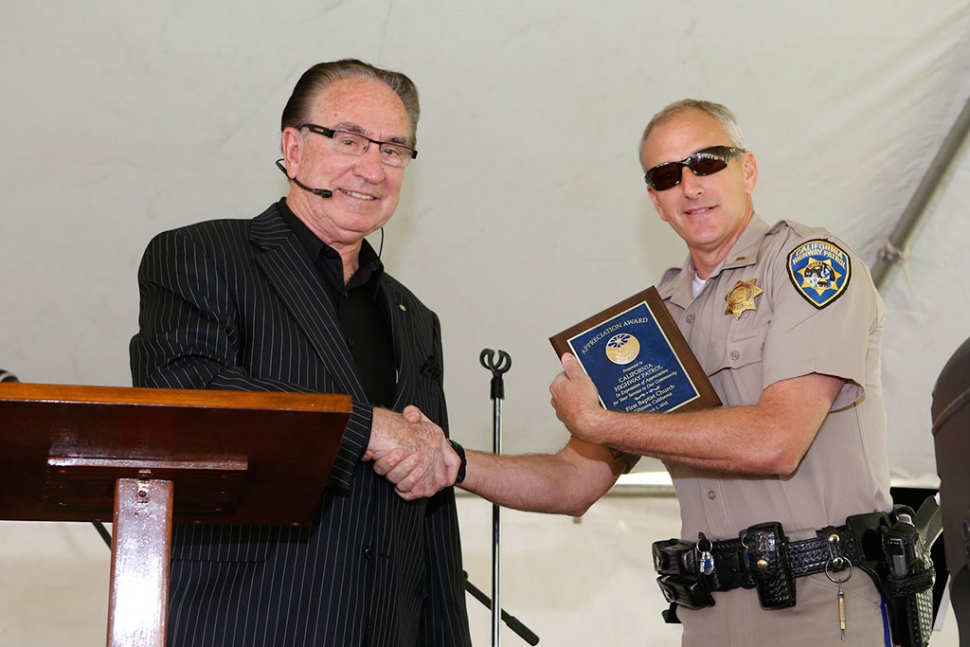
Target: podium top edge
178, 398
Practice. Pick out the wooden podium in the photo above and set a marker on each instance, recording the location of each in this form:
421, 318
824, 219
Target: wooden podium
145, 457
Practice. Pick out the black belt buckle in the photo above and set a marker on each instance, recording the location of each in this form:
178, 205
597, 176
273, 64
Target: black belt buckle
686, 591
767, 560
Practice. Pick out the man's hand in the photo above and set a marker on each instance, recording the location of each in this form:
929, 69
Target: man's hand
575, 399
411, 452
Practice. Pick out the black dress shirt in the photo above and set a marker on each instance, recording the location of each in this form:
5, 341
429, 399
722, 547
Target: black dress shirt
363, 320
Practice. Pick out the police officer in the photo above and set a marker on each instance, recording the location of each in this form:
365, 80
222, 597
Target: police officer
786, 322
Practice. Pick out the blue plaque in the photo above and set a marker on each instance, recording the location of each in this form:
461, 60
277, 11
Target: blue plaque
638, 359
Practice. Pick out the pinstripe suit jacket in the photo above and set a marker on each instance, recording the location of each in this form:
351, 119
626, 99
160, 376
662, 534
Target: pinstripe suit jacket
238, 305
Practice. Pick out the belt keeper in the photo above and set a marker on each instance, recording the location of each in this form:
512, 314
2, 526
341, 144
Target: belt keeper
834, 543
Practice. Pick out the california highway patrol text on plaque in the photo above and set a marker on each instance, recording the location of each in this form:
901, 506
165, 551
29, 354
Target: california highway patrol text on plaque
637, 358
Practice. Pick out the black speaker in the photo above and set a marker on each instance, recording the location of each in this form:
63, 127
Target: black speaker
951, 438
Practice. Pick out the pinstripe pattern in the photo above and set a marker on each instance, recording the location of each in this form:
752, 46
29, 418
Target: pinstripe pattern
236, 305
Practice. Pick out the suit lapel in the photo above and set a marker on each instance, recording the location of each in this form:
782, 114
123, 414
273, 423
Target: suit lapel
301, 289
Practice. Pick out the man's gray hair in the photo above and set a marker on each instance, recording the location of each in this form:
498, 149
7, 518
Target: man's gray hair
723, 115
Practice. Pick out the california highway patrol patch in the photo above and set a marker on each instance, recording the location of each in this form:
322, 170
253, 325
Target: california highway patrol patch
820, 271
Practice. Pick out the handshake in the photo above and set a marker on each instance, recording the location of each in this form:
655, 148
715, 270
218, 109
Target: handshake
411, 452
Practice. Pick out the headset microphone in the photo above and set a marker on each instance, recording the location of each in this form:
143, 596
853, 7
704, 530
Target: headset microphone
323, 193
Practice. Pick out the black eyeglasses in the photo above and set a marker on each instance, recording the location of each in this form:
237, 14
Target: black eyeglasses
704, 162
356, 144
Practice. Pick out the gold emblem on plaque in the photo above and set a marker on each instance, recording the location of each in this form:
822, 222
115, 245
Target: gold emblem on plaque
742, 298
622, 348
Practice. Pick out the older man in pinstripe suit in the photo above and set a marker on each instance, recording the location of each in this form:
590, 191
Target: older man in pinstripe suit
296, 300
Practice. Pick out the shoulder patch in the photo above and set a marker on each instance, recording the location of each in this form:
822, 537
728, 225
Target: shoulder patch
820, 271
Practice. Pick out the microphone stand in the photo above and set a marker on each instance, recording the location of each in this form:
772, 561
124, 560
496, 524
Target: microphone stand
105, 535
498, 368
513, 623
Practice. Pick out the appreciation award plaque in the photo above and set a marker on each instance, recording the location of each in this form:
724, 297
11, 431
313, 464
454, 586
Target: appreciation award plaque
638, 359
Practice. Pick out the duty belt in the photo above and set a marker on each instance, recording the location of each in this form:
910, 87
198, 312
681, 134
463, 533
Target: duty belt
761, 558
886, 546
733, 563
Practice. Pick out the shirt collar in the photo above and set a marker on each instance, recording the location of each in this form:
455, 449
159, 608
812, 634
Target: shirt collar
676, 283
744, 252
370, 269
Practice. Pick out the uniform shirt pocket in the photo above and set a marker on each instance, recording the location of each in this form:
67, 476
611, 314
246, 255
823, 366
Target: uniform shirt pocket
734, 352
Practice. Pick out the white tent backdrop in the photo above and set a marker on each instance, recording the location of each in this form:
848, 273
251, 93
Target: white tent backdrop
526, 209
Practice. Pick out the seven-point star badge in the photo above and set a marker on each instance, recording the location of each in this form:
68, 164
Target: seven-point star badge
742, 298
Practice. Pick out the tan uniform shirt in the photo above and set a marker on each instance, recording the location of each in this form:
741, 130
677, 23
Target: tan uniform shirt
780, 334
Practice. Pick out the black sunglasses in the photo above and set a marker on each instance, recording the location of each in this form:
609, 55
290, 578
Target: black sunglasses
704, 162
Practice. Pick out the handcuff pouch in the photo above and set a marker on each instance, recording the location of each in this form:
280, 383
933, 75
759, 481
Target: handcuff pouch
768, 563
